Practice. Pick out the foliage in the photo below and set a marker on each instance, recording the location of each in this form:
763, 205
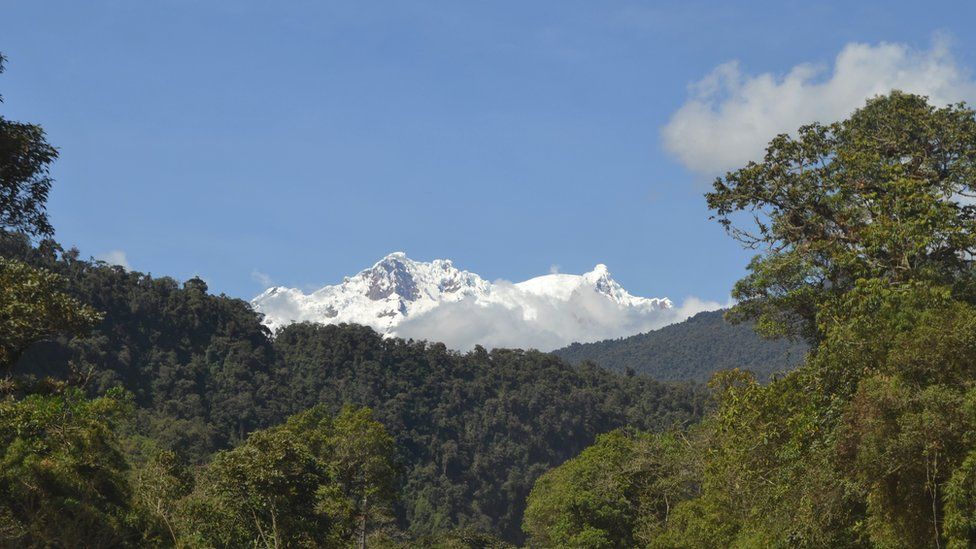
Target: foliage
62, 474
25, 157
458, 538
617, 493
159, 484
315, 481
960, 505
34, 306
200, 366
871, 197
361, 466
587, 501
803, 462
474, 430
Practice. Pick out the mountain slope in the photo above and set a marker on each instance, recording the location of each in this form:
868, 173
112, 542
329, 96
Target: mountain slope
691, 351
436, 301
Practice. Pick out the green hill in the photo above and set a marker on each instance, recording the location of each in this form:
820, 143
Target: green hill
472, 430
691, 351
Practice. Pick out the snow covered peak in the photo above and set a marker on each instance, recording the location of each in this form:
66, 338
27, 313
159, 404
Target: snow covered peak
599, 277
381, 296
564, 286
397, 289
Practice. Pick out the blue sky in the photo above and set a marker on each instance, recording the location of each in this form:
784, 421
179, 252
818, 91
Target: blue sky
301, 141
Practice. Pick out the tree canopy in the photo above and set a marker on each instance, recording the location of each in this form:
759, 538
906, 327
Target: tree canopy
25, 159
472, 431
884, 195
34, 306
867, 236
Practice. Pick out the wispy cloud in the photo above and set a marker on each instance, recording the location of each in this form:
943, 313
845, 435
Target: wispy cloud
115, 257
263, 279
731, 115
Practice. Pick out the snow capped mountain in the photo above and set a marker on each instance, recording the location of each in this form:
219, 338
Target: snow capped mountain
563, 286
437, 301
381, 297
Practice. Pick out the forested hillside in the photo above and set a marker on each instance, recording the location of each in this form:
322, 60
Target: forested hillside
472, 431
692, 350
139, 411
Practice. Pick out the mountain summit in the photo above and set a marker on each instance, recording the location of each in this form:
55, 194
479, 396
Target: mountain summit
435, 300
382, 296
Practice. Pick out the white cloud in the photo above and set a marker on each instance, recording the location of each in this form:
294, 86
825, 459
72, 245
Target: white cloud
263, 279
521, 320
115, 257
731, 116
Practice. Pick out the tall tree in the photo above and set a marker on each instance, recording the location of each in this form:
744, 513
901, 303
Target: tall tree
32, 302
63, 481
33, 305
881, 195
313, 482
25, 158
362, 463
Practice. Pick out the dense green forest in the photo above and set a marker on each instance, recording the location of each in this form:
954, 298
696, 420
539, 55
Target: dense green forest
866, 233
692, 350
138, 411
471, 431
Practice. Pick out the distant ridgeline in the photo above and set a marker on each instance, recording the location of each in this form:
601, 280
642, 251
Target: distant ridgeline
691, 351
472, 431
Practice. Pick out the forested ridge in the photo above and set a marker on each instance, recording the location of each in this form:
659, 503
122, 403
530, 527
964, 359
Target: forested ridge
471, 431
692, 350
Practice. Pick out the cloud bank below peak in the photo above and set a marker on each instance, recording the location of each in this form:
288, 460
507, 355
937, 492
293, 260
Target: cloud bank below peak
730, 115
521, 320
